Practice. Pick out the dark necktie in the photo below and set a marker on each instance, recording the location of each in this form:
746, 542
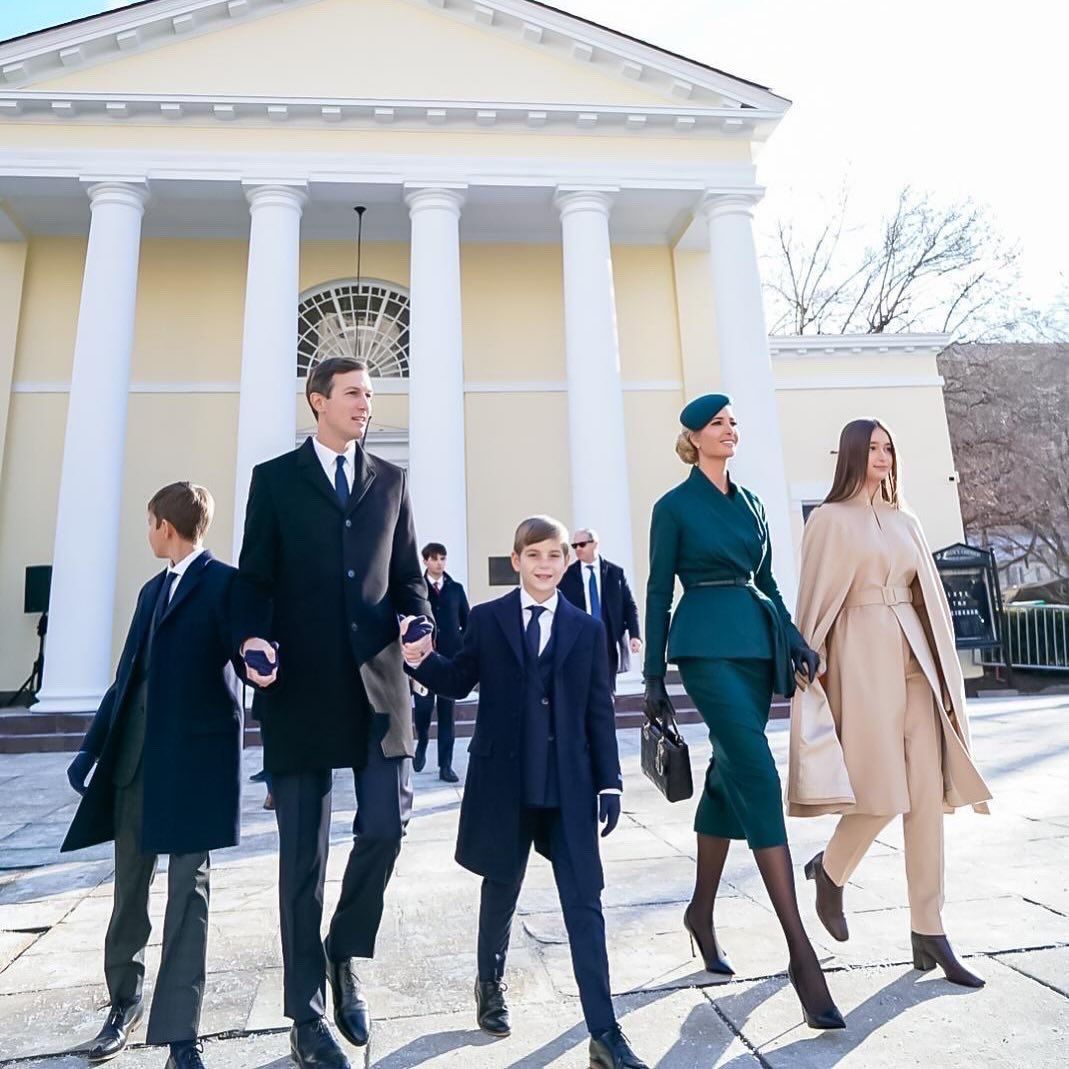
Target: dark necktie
533, 635
595, 601
341, 483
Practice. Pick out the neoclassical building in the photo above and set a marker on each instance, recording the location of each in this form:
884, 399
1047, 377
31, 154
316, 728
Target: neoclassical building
558, 250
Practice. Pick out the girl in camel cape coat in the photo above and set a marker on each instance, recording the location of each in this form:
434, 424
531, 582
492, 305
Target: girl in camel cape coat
843, 757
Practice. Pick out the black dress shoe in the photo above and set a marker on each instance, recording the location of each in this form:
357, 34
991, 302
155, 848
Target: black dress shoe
610, 1050
313, 1047
421, 756
491, 1009
713, 957
932, 950
113, 1037
829, 899
351, 1013
185, 1056
447, 775
827, 1018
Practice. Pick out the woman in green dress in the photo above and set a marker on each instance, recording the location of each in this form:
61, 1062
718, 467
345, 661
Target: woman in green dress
734, 644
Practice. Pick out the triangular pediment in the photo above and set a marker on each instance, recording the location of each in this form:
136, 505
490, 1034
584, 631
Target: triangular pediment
427, 50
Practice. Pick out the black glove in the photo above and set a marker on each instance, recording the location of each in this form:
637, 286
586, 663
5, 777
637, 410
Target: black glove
658, 706
418, 627
608, 812
806, 661
79, 768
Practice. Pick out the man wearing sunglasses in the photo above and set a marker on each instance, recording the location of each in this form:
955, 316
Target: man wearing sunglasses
600, 588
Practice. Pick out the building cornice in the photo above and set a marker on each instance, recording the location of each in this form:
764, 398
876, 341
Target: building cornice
816, 346
89, 42
377, 113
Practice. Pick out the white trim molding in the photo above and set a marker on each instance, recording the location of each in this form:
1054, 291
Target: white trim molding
381, 386
531, 118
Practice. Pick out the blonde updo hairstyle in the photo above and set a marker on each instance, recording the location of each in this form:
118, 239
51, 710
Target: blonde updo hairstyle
686, 450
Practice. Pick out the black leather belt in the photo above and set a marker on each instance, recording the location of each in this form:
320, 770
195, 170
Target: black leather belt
739, 580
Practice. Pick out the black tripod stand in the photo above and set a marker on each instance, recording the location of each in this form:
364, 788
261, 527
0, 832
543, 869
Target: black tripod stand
33, 681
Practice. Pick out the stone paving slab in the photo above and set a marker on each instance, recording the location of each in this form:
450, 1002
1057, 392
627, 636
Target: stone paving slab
1050, 967
676, 1030
1007, 906
896, 1018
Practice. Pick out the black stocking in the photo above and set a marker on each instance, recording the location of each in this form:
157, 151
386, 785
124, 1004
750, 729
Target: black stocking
712, 853
774, 864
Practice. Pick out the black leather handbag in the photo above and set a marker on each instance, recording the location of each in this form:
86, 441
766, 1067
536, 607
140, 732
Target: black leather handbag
666, 759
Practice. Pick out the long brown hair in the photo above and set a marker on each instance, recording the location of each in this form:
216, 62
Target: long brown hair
852, 465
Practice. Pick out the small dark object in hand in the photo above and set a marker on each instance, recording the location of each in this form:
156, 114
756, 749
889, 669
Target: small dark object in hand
258, 662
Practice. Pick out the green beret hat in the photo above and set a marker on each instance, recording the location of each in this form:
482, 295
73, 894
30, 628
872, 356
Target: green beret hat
702, 409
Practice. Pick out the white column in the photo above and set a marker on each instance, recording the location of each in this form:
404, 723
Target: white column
436, 374
597, 438
78, 664
746, 369
267, 408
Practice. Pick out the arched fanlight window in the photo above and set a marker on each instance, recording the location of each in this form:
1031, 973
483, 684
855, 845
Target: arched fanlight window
368, 321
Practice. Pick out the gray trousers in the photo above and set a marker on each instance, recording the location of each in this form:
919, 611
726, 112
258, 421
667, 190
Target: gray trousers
179, 991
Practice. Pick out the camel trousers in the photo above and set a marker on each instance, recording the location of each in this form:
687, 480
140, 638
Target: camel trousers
922, 826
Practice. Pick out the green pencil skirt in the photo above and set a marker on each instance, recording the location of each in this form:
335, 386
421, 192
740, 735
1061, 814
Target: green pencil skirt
742, 798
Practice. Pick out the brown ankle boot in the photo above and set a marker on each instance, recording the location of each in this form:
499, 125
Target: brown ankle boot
932, 950
829, 899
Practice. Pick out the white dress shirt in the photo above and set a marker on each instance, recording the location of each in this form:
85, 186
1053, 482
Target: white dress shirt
545, 629
585, 573
329, 460
180, 568
545, 619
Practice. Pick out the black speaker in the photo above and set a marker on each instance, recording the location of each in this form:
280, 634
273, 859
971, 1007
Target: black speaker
38, 588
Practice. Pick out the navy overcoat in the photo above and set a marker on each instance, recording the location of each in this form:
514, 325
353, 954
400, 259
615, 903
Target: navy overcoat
192, 754
489, 839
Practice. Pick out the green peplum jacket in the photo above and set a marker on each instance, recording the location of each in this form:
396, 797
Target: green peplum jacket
708, 537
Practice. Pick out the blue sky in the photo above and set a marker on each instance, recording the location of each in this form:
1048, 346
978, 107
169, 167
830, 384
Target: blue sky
961, 97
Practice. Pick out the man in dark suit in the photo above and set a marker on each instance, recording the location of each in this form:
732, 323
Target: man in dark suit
544, 769
327, 566
599, 587
450, 606
166, 741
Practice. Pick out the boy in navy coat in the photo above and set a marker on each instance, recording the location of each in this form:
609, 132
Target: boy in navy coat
449, 604
166, 742
543, 770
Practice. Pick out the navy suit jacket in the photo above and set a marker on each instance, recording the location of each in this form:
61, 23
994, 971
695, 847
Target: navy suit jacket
489, 838
450, 608
619, 612
192, 754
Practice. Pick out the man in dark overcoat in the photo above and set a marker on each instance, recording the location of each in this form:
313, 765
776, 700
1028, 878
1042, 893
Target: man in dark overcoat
600, 588
327, 566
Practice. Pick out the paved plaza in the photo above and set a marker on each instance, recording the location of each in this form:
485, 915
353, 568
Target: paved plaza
1007, 910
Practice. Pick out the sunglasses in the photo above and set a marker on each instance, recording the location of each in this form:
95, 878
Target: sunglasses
579, 545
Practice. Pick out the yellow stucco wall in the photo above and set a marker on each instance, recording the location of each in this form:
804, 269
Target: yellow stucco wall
356, 50
12, 275
209, 136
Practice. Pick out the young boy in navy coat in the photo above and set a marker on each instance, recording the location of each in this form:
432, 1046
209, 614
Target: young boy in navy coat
543, 770
166, 741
